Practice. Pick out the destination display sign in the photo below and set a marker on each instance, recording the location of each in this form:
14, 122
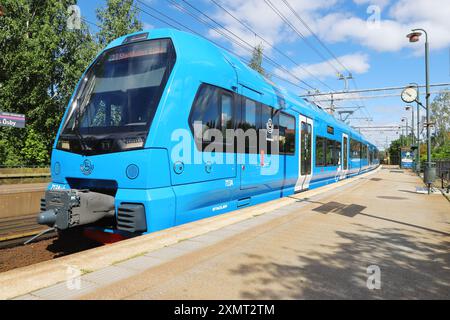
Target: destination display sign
12, 120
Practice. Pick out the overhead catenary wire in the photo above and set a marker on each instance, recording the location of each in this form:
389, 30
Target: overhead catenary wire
286, 2
299, 33
200, 35
269, 44
295, 13
248, 47
174, 24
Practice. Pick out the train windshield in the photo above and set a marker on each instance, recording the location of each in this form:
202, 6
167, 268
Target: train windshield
117, 99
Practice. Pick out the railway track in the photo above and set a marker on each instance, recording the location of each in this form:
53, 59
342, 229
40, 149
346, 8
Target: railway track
15, 231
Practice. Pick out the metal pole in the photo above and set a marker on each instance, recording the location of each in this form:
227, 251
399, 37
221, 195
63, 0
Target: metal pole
418, 130
406, 131
429, 173
427, 71
412, 126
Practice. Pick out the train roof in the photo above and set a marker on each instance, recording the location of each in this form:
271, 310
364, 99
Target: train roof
188, 46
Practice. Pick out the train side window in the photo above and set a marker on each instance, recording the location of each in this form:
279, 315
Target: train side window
213, 108
250, 115
355, 149
329, 161
227, 119
250, 121
363, 154
205, 111
320, 151
226, 112
337, 153
287, 134
305, 148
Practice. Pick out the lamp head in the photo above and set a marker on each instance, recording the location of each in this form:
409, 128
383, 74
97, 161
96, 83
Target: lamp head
414, 36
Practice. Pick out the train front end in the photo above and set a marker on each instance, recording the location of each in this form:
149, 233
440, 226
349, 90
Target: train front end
102, 167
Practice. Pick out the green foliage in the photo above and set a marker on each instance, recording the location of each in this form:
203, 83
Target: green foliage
118, 18
441, 152
35, 150
440, 141
41, 61
394, 150
256, 60
440, 116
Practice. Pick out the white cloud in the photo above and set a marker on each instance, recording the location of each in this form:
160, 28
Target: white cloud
390, 34
380, 3
258, 16
335, 24
356, 63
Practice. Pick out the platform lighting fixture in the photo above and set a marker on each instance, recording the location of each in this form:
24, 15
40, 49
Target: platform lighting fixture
430, 171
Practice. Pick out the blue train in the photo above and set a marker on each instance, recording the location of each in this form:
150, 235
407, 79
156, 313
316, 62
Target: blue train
144, 143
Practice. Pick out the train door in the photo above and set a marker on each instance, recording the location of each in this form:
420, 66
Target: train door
305, 135
248, 160
344, 154
259, 169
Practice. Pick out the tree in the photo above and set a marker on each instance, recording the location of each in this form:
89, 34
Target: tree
41, 60
440, 116
256, 60
394, 150
118, 18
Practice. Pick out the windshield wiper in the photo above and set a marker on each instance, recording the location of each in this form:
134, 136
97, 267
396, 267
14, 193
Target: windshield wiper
76, 130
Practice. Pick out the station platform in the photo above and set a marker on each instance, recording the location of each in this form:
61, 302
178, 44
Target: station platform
320, 244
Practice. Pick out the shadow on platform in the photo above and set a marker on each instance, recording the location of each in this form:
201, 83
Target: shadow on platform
410, 269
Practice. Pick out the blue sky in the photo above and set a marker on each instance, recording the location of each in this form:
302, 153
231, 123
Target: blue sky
367, 36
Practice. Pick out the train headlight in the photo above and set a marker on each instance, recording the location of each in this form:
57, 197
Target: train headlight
132, 171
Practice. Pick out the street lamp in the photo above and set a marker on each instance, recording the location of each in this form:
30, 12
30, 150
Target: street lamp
430, 173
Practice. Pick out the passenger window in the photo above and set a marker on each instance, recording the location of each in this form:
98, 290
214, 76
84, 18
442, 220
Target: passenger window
206, 110
320, 151
337, 153
227, 112
329, 153
249, 115
355, 149
287, 134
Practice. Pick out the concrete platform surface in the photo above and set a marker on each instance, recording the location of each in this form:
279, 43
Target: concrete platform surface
372, 237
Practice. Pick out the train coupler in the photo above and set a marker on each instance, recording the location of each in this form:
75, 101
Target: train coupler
64, 209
